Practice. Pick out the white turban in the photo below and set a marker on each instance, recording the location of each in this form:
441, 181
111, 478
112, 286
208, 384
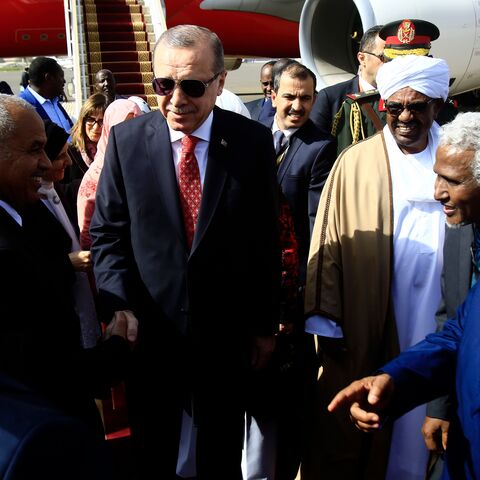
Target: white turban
426, 75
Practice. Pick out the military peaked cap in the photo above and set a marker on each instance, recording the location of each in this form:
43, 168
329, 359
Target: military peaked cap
408, 37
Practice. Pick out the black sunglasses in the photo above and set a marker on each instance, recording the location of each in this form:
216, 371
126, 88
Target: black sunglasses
192, 88
92, 121
395, 108
380, 56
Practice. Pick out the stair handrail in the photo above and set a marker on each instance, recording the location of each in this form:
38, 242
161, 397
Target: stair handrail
76, 50
157, 12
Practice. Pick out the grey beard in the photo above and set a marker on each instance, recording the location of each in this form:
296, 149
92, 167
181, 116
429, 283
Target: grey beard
456, 226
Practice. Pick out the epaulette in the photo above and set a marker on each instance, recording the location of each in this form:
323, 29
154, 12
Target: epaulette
363, 96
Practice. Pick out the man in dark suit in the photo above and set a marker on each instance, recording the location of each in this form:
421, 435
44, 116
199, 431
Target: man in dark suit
45, 89
330, 99
305, 156
186, 247
262, 109
39, 333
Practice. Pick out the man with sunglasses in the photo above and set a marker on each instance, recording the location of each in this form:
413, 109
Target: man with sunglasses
373, 279
262, 108
186, 247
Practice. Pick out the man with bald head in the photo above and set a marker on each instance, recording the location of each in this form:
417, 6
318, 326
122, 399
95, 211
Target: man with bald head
105, 83
373, 279
185, 246
39, 338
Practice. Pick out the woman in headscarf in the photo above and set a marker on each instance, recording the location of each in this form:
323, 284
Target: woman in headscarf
117, 112
56, 149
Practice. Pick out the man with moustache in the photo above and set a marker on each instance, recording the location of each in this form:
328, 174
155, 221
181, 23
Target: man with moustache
447, 361
373, 278
305, 156
186, 247
458, 191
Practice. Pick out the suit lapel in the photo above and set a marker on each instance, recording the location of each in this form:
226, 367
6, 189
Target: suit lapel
159, 154
65, 114
32, 100
215, 177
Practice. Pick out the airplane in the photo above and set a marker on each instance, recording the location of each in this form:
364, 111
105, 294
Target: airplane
323, 33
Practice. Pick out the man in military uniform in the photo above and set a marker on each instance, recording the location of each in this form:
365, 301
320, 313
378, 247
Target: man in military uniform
362, 113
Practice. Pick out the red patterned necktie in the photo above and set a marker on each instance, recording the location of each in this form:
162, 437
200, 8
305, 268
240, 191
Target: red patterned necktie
190, 186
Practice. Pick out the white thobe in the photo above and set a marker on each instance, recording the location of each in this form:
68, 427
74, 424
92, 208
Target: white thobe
419, 225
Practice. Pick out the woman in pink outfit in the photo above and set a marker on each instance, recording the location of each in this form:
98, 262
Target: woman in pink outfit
117, 112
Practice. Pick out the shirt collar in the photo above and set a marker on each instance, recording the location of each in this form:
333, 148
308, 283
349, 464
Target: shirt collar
202, 132
12, 212
288, 132
41, 99
364, 85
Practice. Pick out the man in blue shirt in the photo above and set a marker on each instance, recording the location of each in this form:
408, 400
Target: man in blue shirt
46, 86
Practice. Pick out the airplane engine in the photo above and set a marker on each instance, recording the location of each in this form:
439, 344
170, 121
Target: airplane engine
330, 31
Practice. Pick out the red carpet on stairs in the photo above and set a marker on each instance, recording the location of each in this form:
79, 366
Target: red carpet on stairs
118, 39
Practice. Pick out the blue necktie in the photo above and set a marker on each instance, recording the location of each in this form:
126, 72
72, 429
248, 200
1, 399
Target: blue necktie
280, 142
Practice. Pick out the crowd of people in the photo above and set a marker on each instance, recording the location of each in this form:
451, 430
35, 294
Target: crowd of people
264, 279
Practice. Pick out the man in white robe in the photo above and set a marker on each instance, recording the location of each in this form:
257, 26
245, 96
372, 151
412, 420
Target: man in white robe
373, 281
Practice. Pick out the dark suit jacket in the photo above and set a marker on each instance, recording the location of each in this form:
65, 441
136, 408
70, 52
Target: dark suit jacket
261, 111
301, 176
139, 249
254, 107
329, 101
39, 441
39, 331
26, 95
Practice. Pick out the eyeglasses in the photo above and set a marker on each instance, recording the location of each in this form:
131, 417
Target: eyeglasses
192, 88
395, 108
380, 56
266, 84
90, 121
